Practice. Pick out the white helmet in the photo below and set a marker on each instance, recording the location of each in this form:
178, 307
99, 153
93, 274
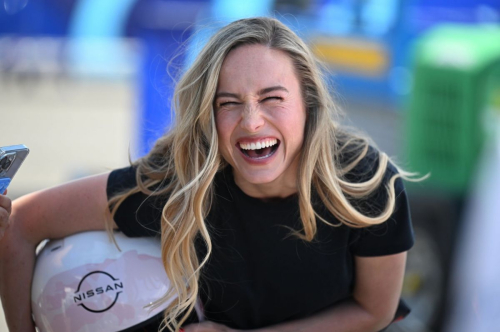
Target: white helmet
83, 283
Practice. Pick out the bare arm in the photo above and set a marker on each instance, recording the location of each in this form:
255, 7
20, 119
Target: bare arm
53, 213
376, 296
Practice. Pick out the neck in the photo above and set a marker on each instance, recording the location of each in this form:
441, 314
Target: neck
278, 189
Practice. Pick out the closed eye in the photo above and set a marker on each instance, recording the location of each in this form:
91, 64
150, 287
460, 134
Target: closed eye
228, 103
273, 98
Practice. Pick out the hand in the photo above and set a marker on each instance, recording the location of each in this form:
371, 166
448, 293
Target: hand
5, 209
207, 326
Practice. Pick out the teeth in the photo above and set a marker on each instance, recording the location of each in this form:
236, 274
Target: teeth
258, 145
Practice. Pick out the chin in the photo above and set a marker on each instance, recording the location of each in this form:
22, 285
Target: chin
259, 177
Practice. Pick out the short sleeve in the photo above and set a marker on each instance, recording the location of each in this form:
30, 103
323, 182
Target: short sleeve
391, 237
139, 214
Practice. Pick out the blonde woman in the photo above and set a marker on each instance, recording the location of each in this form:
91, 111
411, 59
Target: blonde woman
269, 212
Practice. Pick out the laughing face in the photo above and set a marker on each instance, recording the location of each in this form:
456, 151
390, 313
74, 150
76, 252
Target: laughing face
260, 118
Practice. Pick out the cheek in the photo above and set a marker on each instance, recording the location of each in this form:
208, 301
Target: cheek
293, 123
224, 130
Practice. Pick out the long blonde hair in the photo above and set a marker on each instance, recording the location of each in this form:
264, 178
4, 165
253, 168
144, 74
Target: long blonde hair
184, 162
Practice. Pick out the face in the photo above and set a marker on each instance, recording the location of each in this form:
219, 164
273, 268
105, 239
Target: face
260, 118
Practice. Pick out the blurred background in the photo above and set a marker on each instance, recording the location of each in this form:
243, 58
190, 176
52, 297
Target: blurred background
87, 84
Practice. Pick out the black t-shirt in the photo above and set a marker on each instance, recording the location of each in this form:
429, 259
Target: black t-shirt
260, 275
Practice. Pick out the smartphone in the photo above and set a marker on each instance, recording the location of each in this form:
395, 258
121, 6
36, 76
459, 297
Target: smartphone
11, 158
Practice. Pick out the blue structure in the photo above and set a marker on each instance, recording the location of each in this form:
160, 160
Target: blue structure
35, 18
386, 28
392, 26
163, 27
163, 50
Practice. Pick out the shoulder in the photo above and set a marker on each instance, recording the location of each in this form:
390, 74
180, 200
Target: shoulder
121, 179
367, 175
395, 234
359, 161
136, 213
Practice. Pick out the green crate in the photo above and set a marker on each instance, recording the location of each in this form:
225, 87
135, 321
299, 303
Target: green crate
456, 81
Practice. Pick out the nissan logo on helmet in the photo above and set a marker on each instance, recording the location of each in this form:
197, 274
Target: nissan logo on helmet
84, 283
98, 291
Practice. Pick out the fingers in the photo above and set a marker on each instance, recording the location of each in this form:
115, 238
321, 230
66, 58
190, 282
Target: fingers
5, 210
5, 203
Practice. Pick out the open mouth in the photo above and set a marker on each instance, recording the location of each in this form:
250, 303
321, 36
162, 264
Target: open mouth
259, 150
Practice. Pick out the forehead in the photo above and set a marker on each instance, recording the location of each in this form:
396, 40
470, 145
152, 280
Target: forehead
256, 65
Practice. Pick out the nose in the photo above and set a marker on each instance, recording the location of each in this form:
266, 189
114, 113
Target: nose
252, 119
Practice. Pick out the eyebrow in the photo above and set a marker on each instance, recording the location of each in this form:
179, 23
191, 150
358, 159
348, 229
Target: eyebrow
261, 92
271, 89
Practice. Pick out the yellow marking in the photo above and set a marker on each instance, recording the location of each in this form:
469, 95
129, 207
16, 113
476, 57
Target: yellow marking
411, 284
357, 56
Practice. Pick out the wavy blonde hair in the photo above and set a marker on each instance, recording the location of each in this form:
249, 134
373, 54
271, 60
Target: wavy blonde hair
183, 163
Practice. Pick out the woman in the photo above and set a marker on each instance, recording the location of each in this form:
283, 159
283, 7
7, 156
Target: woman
270, 213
